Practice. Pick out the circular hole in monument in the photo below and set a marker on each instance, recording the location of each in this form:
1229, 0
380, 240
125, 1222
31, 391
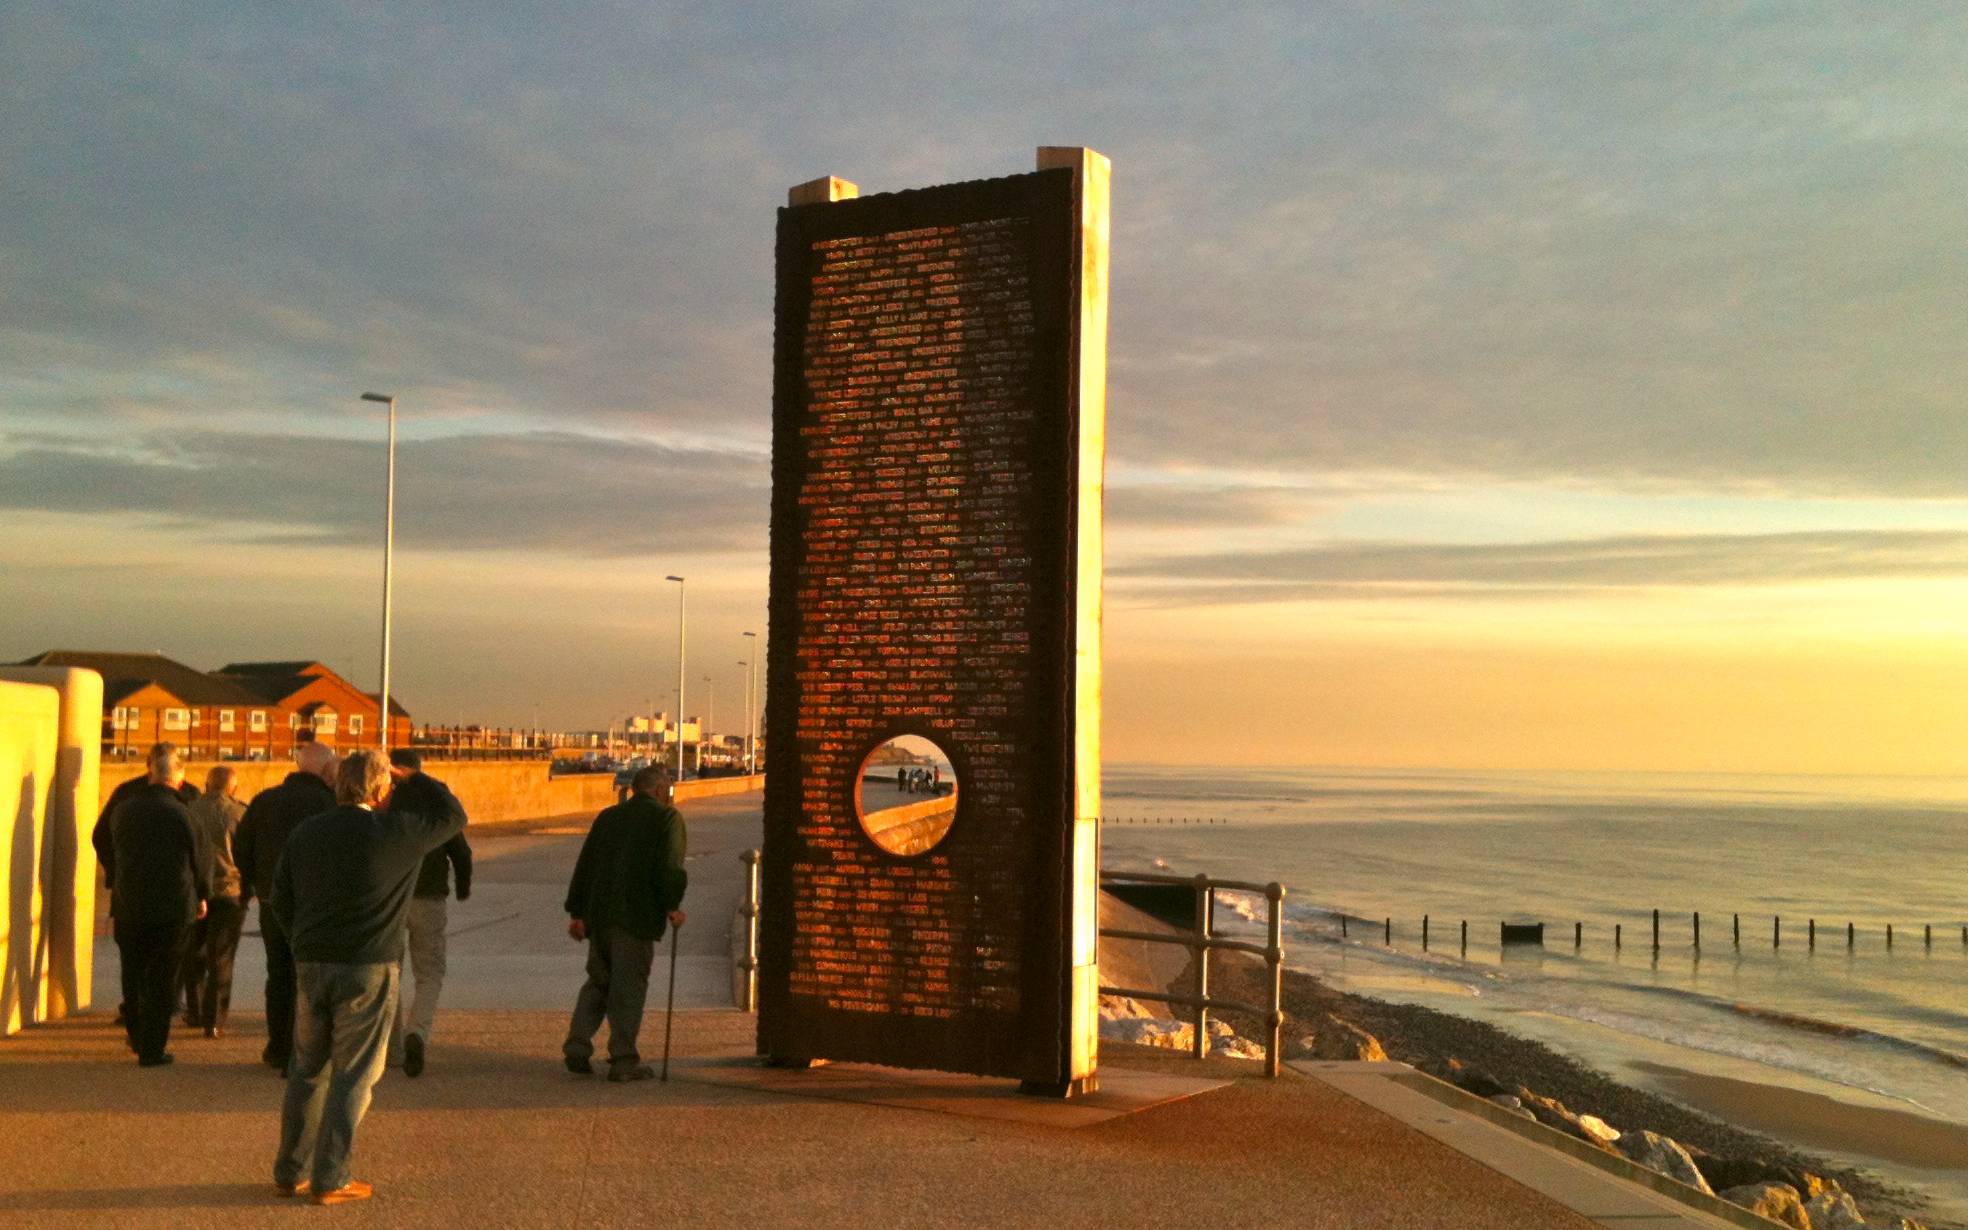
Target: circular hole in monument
906, 795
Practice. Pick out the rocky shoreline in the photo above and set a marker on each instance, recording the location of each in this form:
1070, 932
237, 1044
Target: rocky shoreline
1533, 1080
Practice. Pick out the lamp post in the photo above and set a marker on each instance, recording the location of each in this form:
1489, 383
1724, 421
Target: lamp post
679, 714
389, 566
751, 698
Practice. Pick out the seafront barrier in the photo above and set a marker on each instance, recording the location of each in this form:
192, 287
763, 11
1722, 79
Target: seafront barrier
491, 790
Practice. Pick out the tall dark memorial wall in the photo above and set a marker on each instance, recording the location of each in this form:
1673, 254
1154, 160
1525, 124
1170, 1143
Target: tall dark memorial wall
938, 429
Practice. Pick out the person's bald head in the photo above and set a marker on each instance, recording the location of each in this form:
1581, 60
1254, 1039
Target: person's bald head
318, 759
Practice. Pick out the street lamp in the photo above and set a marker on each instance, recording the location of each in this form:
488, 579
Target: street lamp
679, 714
751, 698
389, 565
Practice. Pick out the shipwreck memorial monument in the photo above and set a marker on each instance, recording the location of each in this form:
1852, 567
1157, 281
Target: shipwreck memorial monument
931, 861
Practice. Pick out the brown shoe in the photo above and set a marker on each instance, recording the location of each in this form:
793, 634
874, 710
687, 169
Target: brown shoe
354, 1189
291, 1189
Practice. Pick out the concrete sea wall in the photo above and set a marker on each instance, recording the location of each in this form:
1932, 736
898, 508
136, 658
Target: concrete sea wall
50, 735
491, 790
711, 787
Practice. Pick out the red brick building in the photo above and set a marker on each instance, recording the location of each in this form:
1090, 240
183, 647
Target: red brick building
319, 701
248, 711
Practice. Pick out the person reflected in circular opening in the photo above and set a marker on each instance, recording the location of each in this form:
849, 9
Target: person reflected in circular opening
906, 795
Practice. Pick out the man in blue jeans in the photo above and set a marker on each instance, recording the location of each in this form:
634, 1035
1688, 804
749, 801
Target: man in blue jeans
341, 893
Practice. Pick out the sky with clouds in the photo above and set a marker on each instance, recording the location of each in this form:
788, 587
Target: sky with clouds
1535, 385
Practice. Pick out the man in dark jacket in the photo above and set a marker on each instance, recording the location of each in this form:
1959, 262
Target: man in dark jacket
419, 792
102, 837
256, 847
157, 868
628, 883
342, 892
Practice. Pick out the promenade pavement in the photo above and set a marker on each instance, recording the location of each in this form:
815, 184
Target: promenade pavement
497, 1133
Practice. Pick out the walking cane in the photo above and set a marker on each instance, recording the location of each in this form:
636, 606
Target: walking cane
669, 1009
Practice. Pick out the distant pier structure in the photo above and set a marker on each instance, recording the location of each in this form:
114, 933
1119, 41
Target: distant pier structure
939, 406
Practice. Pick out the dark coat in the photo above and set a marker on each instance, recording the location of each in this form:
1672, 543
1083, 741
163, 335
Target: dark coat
421, 792
271, 816
101, 839
342, 889
630, 873
158, 862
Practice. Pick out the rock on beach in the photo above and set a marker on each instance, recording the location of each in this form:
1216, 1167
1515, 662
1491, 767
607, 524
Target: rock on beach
1341, 1040
1657, 1152
1776, 1201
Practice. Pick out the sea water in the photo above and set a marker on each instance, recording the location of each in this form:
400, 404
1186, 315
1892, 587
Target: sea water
1866, 1024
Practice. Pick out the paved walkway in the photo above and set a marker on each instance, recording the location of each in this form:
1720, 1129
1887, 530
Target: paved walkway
496, 1133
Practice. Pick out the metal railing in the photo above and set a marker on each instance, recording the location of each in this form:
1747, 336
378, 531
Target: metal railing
748, 919
1201, 940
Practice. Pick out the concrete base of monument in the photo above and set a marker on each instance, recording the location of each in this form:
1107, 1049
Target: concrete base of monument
1079, 1087
1121, 1092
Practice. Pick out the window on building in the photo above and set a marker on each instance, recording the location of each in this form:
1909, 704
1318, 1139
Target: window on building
324, 722
177, 719
355, 723
293, 721
117, 721
225, 721
197, 717
256, 721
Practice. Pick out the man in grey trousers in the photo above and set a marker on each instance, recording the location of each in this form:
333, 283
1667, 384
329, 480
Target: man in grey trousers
628, 885
417, 791
341, 892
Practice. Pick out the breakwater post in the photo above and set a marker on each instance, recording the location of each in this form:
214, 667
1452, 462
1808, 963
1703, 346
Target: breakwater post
1390, 932
1657, 930
1889, 937
1928, 937
1737, 923
1465, 937
1851, 936
1811, 942
1616, 937
1698, 930
1342, 926
1578, 935
1776, 931
1424, 933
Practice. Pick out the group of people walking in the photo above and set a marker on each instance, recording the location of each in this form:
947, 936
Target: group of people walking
919, 781
352, 860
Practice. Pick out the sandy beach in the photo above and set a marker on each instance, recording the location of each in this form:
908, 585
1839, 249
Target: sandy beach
1816, 1121
1734, 1128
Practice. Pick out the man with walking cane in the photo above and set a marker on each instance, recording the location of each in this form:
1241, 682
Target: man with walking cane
627, 889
